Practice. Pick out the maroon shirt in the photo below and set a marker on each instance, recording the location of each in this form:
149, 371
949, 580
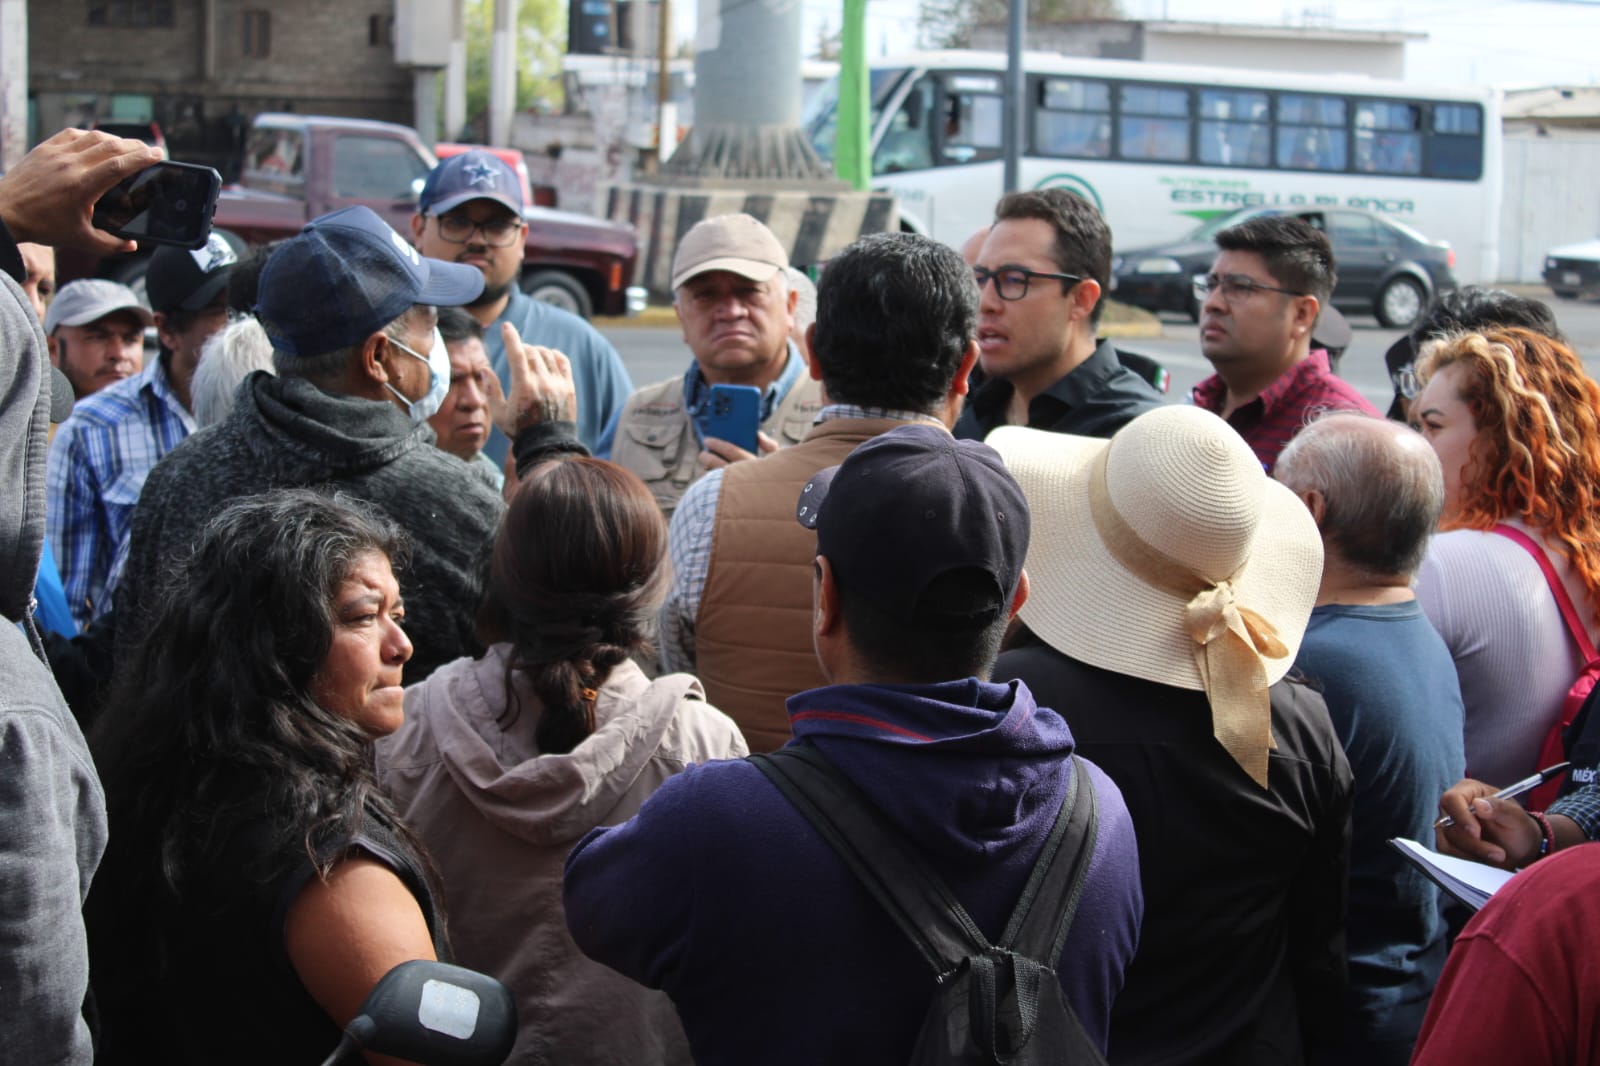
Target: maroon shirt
1268, 422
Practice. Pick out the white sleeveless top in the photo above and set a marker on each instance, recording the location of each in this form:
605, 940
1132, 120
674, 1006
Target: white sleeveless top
1488, 599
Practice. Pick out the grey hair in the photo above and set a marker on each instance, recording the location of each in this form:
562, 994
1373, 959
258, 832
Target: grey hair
329, 366
227, 358
1381, 484
805, 308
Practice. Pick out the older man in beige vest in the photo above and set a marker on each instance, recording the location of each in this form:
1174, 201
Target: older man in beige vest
736, 309
894, 340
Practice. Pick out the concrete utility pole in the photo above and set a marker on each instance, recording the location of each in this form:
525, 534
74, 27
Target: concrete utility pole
747, 151
747, 96
666, 110
455, 73
422, 42
503, 72
13, 82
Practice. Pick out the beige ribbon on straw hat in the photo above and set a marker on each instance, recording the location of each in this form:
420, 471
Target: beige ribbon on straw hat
1229, 638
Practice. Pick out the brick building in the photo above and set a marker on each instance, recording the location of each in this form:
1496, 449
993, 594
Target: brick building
187, 64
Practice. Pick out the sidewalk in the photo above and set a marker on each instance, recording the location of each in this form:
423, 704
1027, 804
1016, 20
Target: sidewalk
1117, 320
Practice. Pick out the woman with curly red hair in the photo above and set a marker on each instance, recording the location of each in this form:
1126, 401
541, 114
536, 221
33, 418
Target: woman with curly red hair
1515, 421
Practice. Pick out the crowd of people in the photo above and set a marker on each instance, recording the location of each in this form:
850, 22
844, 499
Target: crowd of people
379, 617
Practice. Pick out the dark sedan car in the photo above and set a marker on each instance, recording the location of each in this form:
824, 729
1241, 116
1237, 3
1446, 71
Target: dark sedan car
1573, 270
1386, 269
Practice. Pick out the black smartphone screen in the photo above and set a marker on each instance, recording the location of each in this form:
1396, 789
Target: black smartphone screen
169, 203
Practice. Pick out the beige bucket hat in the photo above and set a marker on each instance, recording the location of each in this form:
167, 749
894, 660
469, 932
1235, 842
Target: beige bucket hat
1168, 554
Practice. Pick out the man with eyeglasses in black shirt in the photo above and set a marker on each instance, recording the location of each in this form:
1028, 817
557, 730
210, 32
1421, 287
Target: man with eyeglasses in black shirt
1041, 273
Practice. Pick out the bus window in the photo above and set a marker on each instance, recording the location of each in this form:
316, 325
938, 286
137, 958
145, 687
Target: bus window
906, 143
1073, 119
974, 123
821, 117
1388, 140
1154, 123
1456, 148
1234, 131
1311, 133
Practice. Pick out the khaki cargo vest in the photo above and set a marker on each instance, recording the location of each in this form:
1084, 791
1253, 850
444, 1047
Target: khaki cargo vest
656, 440
753, 633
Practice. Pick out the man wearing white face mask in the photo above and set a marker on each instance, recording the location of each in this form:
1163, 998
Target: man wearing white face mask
350, 309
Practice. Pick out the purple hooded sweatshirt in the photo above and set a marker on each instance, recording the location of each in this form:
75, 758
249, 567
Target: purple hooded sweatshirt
721, 894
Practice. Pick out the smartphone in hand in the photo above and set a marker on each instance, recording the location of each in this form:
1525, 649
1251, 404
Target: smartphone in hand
169, 203
735, 415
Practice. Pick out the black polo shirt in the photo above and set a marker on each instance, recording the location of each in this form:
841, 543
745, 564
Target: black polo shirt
1095, 399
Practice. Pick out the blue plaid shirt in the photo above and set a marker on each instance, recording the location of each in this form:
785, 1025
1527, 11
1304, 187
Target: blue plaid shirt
98, 462
1583, 807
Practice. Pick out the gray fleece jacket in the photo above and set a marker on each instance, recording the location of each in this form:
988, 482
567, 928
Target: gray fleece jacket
287, 433
52, 809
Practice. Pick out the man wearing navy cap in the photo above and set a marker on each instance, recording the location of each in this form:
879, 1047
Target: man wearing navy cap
349, 306
471, 212
920, 542
99, 460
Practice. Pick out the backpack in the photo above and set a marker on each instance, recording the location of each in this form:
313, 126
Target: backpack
991, 1003
1575, 737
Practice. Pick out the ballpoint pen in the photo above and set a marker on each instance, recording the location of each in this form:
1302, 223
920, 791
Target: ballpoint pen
1527, 784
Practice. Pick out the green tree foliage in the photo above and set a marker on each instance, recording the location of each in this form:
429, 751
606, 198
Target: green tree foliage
541, 42
949, 23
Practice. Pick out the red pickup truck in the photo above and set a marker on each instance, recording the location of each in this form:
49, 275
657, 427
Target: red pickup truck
297, 167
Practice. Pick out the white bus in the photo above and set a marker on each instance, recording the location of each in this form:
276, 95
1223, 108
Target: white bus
1162, 148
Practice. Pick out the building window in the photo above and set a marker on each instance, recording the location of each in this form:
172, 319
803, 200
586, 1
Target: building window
257, 34
380, 30
131, 14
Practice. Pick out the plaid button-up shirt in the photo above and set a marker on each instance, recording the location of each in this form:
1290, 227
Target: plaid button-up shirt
98, 462
1269, 422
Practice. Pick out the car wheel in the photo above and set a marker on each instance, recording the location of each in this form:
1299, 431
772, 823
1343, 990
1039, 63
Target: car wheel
1400, 303
560, 290
1566, 294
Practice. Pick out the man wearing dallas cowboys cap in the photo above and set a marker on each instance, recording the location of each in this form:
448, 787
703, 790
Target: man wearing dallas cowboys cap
471, 211
100, 458
349, 307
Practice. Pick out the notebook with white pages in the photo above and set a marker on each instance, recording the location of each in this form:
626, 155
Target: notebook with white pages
1470, 882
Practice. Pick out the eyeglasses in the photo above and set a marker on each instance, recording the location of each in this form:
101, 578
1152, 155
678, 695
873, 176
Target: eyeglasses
1406, 383
1011, 282
497, 232
1235, 287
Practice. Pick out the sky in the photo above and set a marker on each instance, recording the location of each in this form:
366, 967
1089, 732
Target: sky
1507, 43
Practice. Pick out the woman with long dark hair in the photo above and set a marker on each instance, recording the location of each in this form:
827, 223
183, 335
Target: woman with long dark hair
507, 760
257, 882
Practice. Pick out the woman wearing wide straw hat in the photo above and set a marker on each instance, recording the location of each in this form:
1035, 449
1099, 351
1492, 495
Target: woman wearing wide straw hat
1172, 581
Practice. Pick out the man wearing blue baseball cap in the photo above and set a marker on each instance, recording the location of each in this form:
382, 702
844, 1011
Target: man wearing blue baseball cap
471, 212
349, 306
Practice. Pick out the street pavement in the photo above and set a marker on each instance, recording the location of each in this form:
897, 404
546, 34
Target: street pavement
653, 353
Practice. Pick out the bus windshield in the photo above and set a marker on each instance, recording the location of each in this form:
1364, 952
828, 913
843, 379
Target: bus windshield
821, 119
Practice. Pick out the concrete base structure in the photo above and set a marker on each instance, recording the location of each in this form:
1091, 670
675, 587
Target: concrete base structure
812, 226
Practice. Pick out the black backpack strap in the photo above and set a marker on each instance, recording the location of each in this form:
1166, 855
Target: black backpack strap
1043, 916
898, 878
1037, 933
